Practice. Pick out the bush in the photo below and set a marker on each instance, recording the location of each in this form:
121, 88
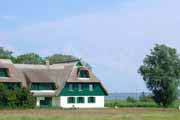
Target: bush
130, 99
16, 98
144, 98
124, 103
25, 98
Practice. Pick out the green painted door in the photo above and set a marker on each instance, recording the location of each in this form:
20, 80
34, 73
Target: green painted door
47, 102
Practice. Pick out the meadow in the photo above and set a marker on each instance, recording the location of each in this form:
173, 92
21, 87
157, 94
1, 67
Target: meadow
92, 114
139, 104
114, 110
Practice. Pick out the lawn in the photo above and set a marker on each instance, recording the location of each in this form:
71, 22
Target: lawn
92, 114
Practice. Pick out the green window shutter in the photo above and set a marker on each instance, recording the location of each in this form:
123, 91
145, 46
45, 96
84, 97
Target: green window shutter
71, 100
4, 72
91, 99
80, 100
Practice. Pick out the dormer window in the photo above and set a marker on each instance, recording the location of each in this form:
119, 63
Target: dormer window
83, 74
71, 87
4, 72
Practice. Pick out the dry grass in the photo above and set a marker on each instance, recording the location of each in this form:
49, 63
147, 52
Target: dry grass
91, 114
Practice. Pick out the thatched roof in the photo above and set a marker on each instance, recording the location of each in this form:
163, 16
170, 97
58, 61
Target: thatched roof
57, 73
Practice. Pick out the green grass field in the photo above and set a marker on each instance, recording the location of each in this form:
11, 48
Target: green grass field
125, 103
92, 114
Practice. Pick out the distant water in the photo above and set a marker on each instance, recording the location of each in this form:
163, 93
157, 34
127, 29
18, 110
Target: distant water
123, 96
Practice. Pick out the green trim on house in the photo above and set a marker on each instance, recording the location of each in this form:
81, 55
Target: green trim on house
79, 64
4, 72
42, 86
97, 90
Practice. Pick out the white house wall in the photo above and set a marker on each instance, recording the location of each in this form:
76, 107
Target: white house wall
55, 102
98, 104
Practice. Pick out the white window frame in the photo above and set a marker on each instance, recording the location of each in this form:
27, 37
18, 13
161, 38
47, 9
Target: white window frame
91, 87
80, 87
70, 87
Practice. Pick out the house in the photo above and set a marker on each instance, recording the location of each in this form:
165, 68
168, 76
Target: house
68, 84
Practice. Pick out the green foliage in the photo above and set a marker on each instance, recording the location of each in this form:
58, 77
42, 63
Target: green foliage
138, 103
125, 103
6, 54
130, 99
29, 58
60, 58
16, 98
33, 58
144, 98
56, 58
161, 73
25, 98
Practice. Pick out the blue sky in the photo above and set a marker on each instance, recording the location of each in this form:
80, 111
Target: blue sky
112, 35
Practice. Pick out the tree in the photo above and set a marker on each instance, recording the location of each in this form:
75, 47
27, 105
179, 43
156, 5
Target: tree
25, 98
130, 99
16, 98
145, 98
29, 58
60, 58
56, 58
161, 73
6, 54
3, 98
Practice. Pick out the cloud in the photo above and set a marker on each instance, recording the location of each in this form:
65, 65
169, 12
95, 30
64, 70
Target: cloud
114, 42
6, 17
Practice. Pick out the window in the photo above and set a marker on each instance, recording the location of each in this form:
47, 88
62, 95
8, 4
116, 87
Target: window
71, 87
90, 87
46, 102
83, 74
80, 100
4, 72
80, 87
71, 100
91, 99
43, 86
12, 86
